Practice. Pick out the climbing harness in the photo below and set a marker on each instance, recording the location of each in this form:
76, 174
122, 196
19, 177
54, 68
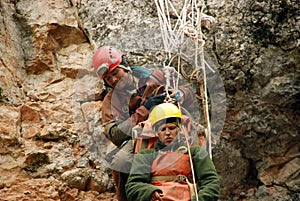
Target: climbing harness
171, 171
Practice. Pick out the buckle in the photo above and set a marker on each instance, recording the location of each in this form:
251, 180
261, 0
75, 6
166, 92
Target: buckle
181, 178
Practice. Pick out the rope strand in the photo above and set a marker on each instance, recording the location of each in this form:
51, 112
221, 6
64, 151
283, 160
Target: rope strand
175, 38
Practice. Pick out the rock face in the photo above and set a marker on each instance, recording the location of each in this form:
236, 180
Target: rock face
50, 133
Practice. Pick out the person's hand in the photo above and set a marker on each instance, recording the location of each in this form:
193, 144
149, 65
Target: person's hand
176, 96
155, 100
156, 196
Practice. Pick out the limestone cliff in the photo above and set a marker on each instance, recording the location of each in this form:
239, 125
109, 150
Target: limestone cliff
50, 110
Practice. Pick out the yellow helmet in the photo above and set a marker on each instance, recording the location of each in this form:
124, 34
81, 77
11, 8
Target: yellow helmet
165, 111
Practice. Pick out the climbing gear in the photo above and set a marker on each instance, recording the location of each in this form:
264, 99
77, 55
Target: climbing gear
185, 39
106, 59
176, 39
171, 171
103, 69
177, 178
164, 111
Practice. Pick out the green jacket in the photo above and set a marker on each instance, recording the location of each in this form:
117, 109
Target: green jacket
139, 187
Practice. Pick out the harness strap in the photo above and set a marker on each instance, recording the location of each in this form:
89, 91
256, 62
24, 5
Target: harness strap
177, 178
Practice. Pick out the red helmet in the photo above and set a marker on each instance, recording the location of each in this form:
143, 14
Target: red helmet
106, 59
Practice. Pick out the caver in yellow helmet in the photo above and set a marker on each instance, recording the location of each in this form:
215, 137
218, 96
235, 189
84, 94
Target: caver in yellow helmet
165, 113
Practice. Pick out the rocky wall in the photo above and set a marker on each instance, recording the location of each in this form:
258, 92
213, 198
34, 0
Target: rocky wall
50, 131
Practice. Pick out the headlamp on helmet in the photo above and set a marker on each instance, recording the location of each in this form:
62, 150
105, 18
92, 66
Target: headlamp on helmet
106, 59
102, 69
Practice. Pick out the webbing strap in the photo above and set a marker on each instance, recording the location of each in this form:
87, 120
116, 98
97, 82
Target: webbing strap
177, 178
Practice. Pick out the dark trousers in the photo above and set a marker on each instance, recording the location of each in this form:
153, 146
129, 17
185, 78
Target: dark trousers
121, 165
120, 180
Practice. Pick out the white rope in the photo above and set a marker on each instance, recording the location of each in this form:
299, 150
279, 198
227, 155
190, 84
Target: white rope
191, 162
202, 64
188, 25
167, 76
170, 38
169, 73
206, 64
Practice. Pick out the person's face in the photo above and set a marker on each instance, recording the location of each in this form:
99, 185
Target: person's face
167, 133
114, 76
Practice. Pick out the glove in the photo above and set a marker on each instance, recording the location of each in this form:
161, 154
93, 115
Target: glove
155, 100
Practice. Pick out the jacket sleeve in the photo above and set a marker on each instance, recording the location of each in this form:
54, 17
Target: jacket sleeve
138, 186
208, 182
118, 131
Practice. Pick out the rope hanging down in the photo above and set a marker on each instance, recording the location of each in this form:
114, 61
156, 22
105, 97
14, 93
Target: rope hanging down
178, 29
176, 34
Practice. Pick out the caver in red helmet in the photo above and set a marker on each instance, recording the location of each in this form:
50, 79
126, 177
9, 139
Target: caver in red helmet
106, 59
